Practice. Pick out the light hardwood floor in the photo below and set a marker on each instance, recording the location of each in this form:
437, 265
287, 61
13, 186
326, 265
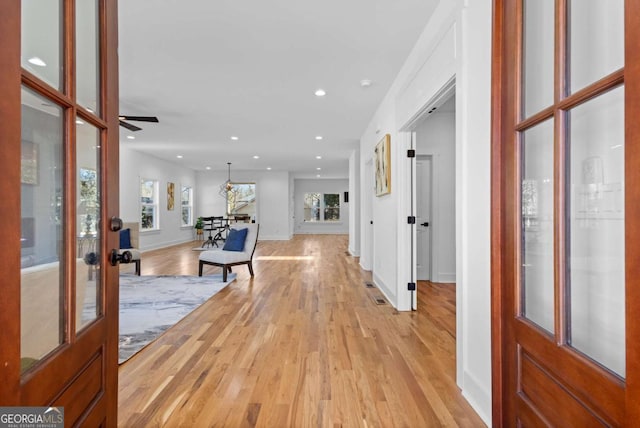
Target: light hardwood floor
302, 344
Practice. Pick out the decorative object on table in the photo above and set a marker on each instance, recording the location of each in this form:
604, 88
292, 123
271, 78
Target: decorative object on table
198, 227
227, 187
383, 166
91, 258
170, 198
226, 259
150, 305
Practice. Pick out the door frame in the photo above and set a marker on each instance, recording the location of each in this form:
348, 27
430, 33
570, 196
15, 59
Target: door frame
407, 272
10, 131
502, 109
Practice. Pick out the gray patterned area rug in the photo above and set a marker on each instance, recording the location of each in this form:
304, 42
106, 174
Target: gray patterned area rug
149, 305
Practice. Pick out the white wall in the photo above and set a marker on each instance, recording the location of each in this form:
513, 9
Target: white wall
338, 186
456, 44
435, 136
135, 165
272, 199
473, 196
354, 203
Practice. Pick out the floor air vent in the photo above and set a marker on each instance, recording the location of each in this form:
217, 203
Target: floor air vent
369, 285
380, 301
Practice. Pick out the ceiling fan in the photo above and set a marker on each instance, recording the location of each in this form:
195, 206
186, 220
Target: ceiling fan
131, 127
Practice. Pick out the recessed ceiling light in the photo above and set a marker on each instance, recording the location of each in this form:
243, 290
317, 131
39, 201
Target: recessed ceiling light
318, 137
318, 175
37, 61
365, 83
318, 157
268, 168
79, 122
131, 137
256, 157
320, 93
208, 168
179, 156
234, 138
319, 169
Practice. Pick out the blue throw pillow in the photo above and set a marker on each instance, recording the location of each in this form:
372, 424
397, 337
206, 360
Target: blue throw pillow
125, 238
235, 240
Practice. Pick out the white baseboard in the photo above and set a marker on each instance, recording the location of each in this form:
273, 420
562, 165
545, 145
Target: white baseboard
445, 277
385, 290
478, 396
274, 238
321, 232
353, 253
160, 245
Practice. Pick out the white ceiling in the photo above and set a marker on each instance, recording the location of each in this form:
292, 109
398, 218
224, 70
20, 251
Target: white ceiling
214, 69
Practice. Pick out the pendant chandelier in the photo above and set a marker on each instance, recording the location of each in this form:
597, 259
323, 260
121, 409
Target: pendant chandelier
227, 186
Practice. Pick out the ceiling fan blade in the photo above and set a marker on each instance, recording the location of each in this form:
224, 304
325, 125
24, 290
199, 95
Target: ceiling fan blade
129, 126
140, 118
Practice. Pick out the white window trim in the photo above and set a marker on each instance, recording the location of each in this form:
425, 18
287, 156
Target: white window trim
155, 205
190, 205
322, 208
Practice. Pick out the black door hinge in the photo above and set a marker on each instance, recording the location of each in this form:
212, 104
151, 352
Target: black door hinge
411, 286
411, 219
411, 153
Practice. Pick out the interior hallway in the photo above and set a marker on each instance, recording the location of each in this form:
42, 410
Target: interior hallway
301, 344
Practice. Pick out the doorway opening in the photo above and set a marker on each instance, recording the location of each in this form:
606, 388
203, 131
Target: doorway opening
434, 192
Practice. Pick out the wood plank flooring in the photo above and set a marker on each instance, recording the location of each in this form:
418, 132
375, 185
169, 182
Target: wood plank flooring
302, 344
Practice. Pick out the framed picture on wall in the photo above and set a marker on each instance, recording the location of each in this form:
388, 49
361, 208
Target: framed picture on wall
383, 166
170, 196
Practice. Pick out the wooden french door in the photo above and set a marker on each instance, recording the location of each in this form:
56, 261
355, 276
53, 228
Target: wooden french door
565, 223
59, 186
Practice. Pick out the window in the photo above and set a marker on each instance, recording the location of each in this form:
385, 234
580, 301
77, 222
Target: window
312, 207
321, 207
331, 207
88, 207
241, 200
186, 204
149, 204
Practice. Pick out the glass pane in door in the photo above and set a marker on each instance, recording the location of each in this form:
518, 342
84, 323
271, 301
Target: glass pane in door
596, 40
41, 247
537, 272
538, 65
88, 287
88, 54
41, 50
596, 223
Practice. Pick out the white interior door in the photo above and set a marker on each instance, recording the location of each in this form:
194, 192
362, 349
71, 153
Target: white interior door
423, 217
